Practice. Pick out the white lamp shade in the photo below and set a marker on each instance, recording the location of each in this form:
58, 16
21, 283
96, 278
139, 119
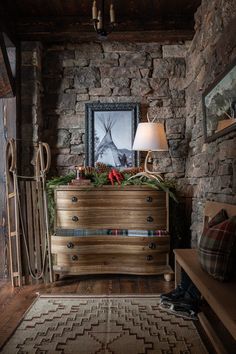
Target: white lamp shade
150, 136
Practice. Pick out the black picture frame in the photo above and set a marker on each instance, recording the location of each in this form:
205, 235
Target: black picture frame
219, 105
8, 84
109, 133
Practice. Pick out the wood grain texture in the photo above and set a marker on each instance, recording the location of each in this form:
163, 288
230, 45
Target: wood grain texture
212, 208
140, 11
30, 228
110, 268
141, 21
220, 296
124, 199
216, 342
3, 221
110, 244
7, 123
111, 207
145, 219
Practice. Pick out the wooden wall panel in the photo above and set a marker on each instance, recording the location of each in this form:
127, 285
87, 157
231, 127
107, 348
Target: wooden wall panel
2, 193
7, 126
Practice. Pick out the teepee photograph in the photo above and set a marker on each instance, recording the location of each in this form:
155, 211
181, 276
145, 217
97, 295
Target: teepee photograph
110, 128
113, 138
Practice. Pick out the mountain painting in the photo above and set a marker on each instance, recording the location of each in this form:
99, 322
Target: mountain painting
220, 103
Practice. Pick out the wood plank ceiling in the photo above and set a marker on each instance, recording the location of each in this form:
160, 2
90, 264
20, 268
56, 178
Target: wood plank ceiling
138, 20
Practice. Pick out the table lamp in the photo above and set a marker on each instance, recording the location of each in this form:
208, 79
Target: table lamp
150, 137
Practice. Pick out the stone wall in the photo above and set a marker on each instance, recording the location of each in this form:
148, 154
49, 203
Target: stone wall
148, 73
168, 82
210, 168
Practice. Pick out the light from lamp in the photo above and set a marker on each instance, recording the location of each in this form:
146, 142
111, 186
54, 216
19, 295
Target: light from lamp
150, 136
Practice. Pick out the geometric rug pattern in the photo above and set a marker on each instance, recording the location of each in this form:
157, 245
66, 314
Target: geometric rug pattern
102, 325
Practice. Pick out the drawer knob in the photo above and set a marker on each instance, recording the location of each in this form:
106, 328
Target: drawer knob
74, 258
152, 245
149, 199
75, 218
70, 245
74, 199
149, 258
149, 219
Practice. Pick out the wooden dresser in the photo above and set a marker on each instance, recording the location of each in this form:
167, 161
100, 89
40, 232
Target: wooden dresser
98, 216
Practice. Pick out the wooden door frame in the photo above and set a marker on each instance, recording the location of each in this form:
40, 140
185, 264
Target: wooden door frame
7, 104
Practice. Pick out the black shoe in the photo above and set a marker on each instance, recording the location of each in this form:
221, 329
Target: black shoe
183, 304
173, 295
186, 304
192, 300
182, 307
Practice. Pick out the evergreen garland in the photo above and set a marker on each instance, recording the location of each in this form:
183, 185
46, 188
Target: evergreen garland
99, 177
50, 186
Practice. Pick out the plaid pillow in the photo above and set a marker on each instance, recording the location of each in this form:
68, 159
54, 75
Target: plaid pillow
218, 218
215, 249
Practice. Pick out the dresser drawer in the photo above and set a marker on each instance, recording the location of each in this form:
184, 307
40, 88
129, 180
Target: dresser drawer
116, 261
110, 207
110, 254
124, 268
110, 245
121, 199
108, 219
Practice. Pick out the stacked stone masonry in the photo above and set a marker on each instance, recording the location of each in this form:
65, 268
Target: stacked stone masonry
210, 172
166, 79
147, 73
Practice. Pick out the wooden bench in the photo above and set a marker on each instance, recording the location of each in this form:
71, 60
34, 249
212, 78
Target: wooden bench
221, 297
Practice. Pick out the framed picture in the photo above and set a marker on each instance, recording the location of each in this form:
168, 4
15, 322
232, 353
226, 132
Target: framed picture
110, 130
7, 60
219, 105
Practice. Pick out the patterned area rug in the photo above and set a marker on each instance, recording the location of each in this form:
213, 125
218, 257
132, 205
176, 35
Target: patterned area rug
103, 324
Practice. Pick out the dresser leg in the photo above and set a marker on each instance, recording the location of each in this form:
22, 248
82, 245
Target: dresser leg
168, 276
56, 276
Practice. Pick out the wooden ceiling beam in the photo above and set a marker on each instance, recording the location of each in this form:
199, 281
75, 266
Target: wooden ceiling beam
79, 24
61, 29
7, 23
167, 36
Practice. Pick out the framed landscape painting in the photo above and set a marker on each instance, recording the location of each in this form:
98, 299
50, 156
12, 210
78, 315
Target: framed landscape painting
219, 105
110, 130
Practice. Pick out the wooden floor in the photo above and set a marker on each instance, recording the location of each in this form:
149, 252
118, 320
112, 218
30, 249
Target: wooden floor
14, 302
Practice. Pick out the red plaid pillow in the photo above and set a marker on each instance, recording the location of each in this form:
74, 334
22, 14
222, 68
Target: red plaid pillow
215, 249
218, 218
